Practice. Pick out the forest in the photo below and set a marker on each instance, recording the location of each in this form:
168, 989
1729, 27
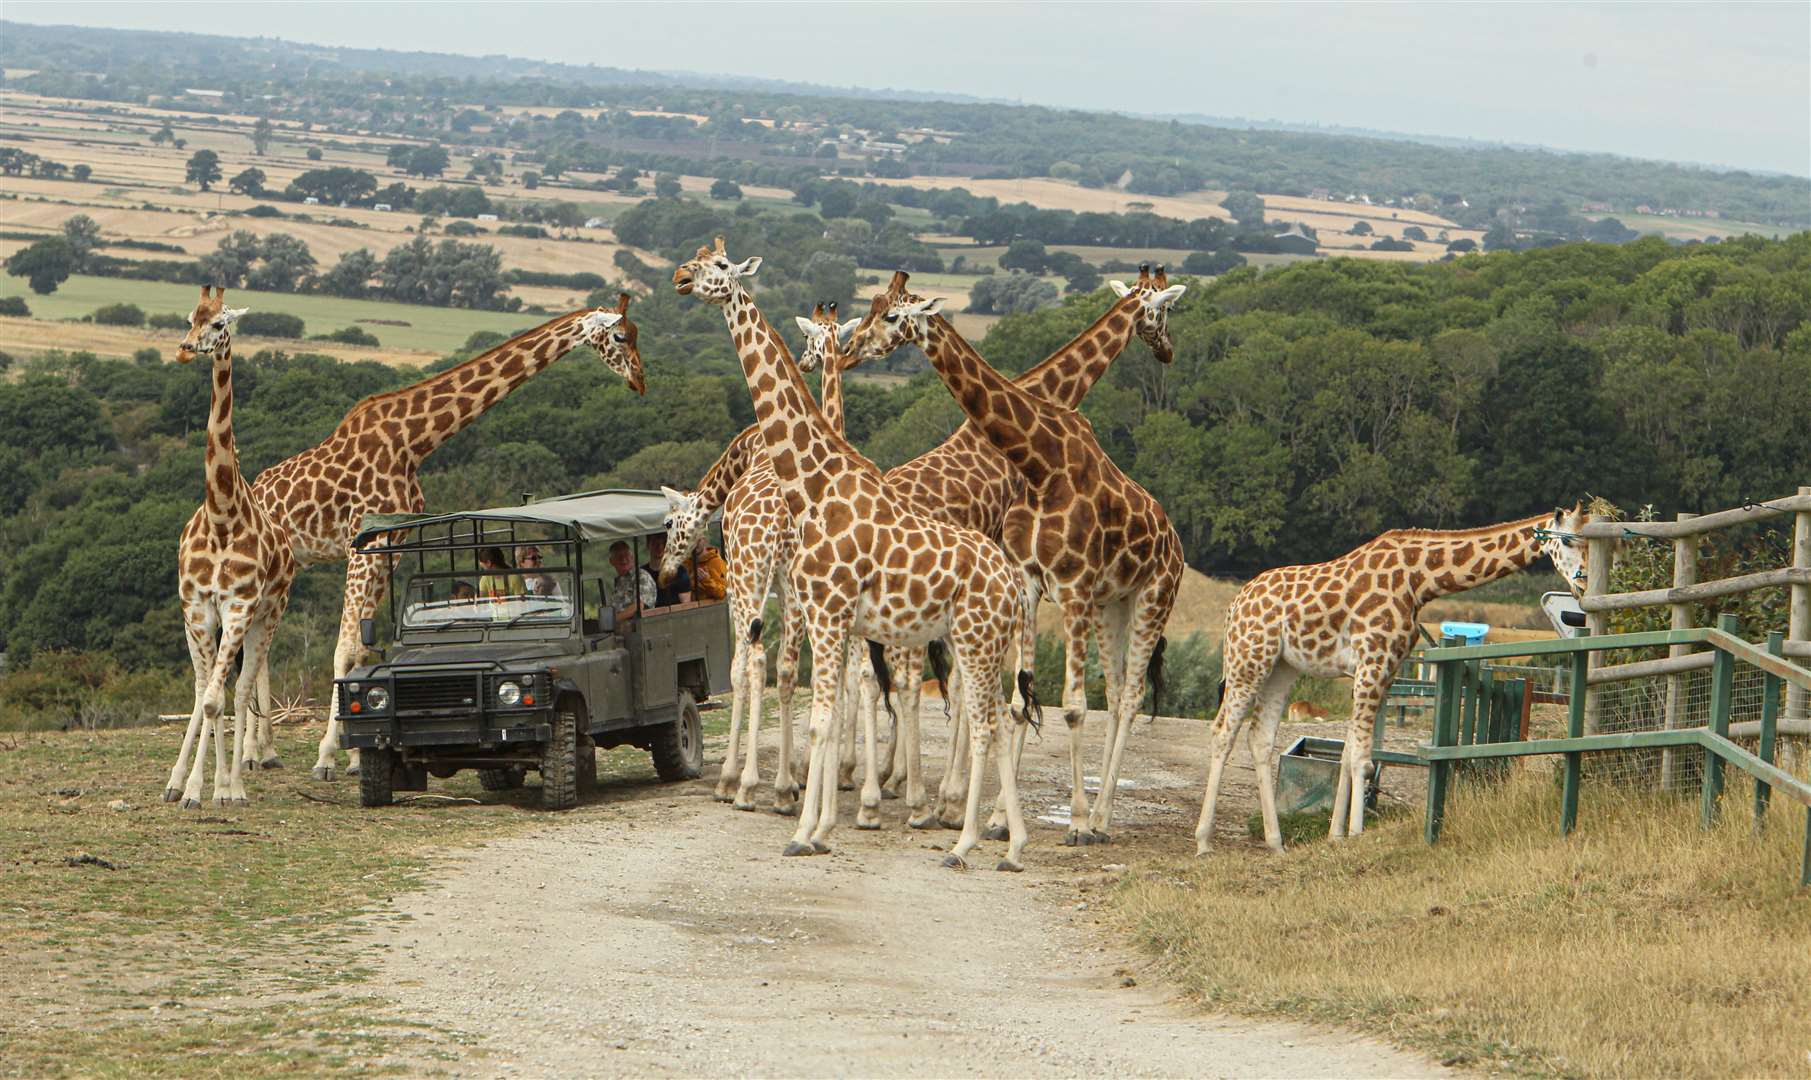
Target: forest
1308, 408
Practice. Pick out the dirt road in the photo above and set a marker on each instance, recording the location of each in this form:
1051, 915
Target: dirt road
656, 932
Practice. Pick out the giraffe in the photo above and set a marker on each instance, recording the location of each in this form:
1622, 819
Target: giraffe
1084, 533
1355, 616
867, 567
966, 482
234, 571
369, 464
758, 545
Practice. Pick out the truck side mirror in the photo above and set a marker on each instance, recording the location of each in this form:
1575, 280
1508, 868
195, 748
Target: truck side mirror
367, 633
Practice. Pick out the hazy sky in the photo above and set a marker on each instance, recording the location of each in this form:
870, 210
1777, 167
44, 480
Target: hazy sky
1725, 84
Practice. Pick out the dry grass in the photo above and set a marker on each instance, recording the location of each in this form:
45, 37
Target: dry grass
1201, 605
1064, 195
32, 336
1641, 946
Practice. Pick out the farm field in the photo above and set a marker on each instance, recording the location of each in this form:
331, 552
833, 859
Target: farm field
1063, 195
432, 331
1693, 228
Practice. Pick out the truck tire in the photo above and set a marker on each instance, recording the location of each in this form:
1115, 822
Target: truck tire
374, 777
678, 748
559, 761
587, 766
505, 779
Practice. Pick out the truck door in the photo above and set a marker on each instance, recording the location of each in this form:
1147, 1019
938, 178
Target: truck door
659, 683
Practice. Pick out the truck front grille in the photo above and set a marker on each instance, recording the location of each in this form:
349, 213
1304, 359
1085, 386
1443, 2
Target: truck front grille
437, 693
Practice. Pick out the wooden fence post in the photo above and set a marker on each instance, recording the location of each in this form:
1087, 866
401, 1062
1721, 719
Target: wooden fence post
1798, 624
1597, 583
1685, 572
1722, 687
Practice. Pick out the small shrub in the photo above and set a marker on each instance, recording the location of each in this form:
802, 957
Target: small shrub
14, 305
461, 228
147, 357
167, 321
264, 210
120, 315
532, 232
351, 335
270, 324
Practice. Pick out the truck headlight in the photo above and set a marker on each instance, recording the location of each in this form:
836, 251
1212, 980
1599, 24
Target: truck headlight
508, 693
377, 699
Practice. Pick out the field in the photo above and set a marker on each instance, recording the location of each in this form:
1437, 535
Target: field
1677, 228
1055, 194
431, 333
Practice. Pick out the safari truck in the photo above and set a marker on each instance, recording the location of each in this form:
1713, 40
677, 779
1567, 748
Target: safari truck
512, 649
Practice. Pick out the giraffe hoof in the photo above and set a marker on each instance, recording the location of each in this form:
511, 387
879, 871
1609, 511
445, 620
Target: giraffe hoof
352, 769
996, 832
867, 824
928, 821
249, 764
845, 785
954, 825
790, 809
888, 793
191, 804
722, 796
743, 805
171, 794
271, 762
1009, 867
1096, 838
1074, 838
955, 862
796, 848
819, 847
323, 772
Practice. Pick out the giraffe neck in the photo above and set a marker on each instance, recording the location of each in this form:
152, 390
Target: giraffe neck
463, 393
741, 453
228, 495
806, 453
1453, 561
999, 409
1065, 376
832, 388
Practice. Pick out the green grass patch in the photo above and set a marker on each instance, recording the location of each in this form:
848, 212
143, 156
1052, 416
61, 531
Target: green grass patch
434, 329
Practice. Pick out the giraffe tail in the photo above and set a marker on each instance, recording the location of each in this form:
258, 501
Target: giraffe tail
1028, 695
877, 654
1154, 672
754, 631
939, 657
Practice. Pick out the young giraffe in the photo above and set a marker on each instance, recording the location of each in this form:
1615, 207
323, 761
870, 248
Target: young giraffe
966, 482
234, 570
1355, 616
758, 545
867, 566
1084, 533
371, 461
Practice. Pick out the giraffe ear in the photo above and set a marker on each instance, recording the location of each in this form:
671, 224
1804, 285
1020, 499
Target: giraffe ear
603, 320
806, 325
1168, 296
676, 500
231, 315
1120, 288
847, 330
925, 308
748, 266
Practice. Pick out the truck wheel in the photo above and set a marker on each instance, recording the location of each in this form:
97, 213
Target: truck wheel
375, 767
506, 779
679, 747
587, 766
559, 761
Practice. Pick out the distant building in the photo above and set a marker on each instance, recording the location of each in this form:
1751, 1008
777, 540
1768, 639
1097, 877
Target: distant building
1597, 208
487, 217
381, 206
1294, 240
595, 223
311, 201
205, 95
1321, 193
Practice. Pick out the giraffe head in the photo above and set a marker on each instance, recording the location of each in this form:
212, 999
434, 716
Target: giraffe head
686, 521
1562, 544
609, 331
894, 318
822, 336
209, 325
1151, 296
711, 276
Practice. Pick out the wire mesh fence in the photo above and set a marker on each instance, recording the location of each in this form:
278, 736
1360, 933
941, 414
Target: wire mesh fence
1675, 702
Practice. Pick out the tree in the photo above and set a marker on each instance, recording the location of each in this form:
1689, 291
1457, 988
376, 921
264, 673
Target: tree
531, 180
163, 135
82, 173
249, 182
339, 184
726, 189
1211, 263
1499, 237
1081, 277
351, 276
284, 263
204, 168
666, 186
84, 235
231, 259
261, 136
1462, 245
314, 153
1007, 294
1245, 207
1359, 228
837, 200
1026, 255
1414, 232
45, 264
428, 161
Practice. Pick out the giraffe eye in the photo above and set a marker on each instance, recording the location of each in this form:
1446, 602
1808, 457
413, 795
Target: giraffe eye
892, 316
220, 324
723, 264
620, 336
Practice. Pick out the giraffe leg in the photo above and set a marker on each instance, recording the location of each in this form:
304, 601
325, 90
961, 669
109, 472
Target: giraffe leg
266, 751
911, 762
868, 817
1368, 688
247, 711
1235, 705
754, 697
908, 681
984, 710
199, 622
826, 679
841, 727
213, 709
1146, 618
859, 703
1078, 617
953, 792
738, 701
364, 585
1111, 628
785, 785
997, 825
1273, 702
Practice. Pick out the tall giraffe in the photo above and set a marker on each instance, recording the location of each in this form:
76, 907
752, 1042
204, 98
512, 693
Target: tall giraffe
758, 545
370, 464
234, 570
1355, 616
1084, 533
966, 482
867, 566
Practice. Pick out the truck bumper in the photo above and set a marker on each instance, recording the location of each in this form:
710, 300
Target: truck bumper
472, 732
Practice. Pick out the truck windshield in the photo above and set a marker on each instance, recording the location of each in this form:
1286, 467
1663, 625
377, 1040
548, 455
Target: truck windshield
512, 598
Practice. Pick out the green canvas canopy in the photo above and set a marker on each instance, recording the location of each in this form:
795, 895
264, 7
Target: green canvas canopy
594, 515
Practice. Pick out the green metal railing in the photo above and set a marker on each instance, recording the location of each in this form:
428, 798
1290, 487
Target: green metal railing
1459, 696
